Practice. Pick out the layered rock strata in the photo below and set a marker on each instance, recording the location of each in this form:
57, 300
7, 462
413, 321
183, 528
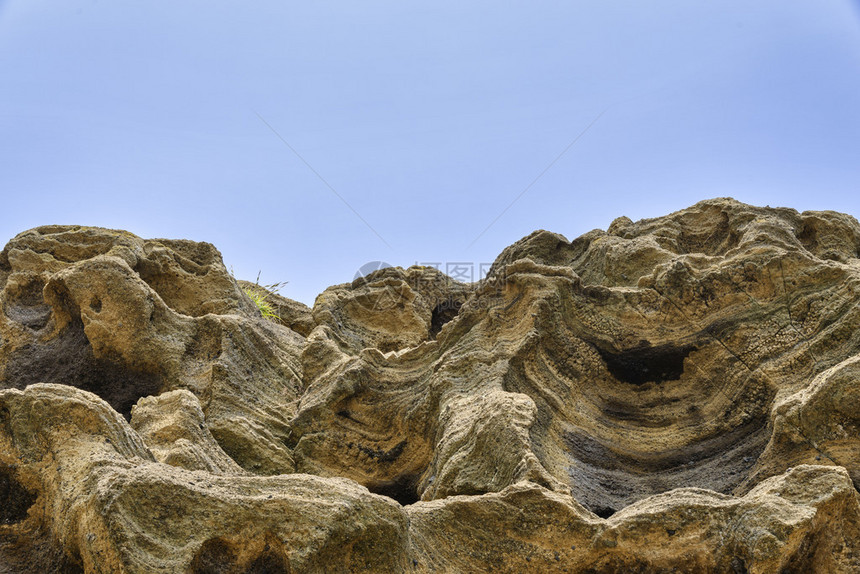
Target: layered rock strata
678, 393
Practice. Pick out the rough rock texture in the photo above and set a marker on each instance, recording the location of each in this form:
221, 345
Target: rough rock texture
293, 314
126, 318
675, 394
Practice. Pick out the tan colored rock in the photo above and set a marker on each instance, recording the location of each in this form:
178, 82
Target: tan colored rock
819, 424
528, 529
80, 473
111, 508
84, 307
389, 309
678, 393
173, 427
664, 378
293, 314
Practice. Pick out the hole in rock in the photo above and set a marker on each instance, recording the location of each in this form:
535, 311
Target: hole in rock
214, 557
603, 511
269, 562
68, 359
808, 237
404, 490
442, 314
96, 305
647, 364
28, 307
15, 500
739, 566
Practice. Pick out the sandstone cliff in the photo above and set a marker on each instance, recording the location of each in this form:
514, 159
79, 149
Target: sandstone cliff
674, 394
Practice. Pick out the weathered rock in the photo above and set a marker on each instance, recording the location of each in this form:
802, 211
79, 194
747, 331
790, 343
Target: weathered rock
679, 393
173, 427
632, 382
390, 309
293, 314
126, 318
783, 525
96, 488
819, 424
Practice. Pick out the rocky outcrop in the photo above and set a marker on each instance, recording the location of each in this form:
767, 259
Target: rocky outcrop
126, 318
670, 394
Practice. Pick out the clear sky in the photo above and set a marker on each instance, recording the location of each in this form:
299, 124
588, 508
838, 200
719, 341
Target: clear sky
418, 123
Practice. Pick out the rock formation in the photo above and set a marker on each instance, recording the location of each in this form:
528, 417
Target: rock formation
674, 394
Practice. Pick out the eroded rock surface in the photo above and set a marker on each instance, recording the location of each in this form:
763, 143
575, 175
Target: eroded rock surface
674, 394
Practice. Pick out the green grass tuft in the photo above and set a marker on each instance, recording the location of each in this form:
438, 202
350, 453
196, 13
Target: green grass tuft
260, 294
260, 299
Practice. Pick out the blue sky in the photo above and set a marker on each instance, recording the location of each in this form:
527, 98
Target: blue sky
428, 119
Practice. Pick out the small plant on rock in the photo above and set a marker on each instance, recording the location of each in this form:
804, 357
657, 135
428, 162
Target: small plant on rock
260, 299
260, 295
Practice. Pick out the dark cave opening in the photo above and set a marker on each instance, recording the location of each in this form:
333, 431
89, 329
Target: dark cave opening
739, 566
647, 364
69, 360
443, 313
218, 556
404, 490
603, 511
269, 562
15, 500
214, 557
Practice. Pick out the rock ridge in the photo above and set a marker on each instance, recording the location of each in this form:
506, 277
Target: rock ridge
673, 394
